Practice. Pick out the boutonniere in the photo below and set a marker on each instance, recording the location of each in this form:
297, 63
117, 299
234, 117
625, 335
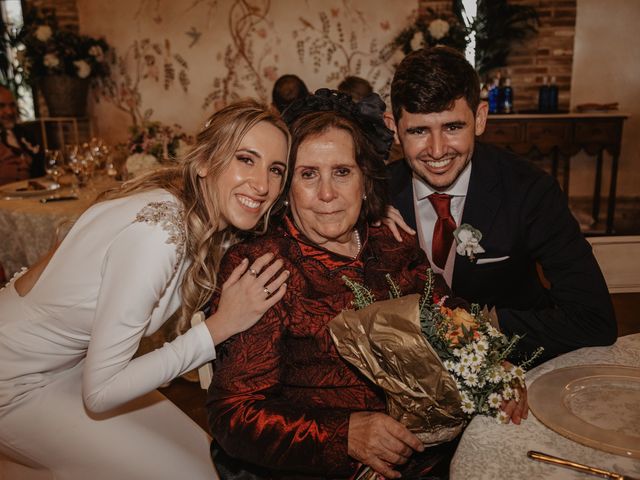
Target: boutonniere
468, 241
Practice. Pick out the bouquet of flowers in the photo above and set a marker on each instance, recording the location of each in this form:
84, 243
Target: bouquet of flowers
50, 50
165, 142
431, 29
437, 365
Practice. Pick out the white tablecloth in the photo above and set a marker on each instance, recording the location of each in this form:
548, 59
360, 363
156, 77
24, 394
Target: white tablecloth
489, 450
29, 228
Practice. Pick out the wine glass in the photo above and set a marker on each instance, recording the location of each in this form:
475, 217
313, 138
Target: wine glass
53, 164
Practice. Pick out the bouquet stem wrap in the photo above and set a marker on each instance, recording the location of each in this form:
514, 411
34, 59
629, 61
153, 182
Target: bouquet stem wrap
385, 343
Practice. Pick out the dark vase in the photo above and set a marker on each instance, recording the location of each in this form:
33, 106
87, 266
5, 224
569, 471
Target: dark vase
65, 96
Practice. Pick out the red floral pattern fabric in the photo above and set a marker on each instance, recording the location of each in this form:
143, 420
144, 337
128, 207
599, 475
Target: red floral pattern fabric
281, 394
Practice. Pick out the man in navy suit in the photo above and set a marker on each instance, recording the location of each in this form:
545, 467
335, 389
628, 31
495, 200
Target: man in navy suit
448, 179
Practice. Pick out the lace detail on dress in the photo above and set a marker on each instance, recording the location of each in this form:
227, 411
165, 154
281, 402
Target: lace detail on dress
170, 216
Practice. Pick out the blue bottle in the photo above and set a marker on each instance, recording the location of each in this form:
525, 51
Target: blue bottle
543, 96
494, 91
553, 96
506, 97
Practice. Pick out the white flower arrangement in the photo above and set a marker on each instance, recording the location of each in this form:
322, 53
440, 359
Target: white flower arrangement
53, 50
140, 163
438, 28
84, 69
468, 241
43, 33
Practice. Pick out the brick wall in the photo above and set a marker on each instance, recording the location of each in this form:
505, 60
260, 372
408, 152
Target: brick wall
549, 53
66, 11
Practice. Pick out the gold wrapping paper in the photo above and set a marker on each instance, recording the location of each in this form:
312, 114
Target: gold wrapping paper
385, 343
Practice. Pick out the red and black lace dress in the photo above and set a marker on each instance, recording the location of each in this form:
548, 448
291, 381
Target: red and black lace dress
281, 395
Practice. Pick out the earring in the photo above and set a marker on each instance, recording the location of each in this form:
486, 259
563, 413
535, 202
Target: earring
202, 173
364, 197
286, 203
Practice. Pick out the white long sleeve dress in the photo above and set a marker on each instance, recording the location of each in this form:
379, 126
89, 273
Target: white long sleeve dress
67, 346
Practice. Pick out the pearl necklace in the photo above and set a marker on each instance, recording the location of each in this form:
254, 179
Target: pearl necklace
358, 242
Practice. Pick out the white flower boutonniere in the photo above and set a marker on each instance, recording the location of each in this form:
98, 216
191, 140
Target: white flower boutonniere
468, 241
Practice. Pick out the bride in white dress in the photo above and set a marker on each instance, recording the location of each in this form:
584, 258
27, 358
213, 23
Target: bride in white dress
74, 403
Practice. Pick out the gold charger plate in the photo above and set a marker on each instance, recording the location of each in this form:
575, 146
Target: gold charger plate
595, 405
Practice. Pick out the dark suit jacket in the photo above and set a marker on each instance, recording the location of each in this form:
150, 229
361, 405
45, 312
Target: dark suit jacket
522, 213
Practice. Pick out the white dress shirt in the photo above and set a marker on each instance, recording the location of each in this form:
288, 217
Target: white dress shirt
426, 216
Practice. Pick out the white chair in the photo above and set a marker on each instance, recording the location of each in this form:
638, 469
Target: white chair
619, 260
205, 372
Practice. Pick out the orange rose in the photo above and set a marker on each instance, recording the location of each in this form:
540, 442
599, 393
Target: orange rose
460, 317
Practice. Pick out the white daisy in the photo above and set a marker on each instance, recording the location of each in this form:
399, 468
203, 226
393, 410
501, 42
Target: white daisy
507, 392
502, 417
468, 406
494, 400
471, 379
518, 372
493, 332
494, 375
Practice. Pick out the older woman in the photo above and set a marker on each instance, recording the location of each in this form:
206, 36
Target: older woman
283, 403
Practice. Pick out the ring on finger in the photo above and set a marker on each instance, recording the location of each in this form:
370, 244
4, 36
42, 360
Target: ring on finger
253, 272
267, 291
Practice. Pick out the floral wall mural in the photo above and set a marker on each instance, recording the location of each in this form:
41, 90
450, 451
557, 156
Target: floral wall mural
178, 61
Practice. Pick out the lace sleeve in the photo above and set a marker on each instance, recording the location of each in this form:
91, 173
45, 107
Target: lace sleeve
138, 282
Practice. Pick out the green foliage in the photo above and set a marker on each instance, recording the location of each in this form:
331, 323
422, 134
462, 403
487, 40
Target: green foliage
498, 25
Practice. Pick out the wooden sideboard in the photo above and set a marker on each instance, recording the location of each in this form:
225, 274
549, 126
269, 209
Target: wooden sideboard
559, 137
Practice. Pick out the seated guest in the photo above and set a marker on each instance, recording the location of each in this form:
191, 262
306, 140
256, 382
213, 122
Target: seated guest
19, 157
286, 90
283, 403
451, 179
357, 87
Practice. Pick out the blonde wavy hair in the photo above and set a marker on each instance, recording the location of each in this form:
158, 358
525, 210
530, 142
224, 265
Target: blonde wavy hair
213, 151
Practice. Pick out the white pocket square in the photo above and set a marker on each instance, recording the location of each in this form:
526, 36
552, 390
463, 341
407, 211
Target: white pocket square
481, 261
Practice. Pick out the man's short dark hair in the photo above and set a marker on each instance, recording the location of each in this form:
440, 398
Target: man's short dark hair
286, 90
431, 80
357, 87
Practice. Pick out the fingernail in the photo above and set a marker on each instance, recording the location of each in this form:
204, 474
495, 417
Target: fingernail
245, 260
287, 273
284, 285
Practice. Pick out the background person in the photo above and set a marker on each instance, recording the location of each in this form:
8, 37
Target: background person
20, 157
287, 89
357, 87
450, 179
73, 400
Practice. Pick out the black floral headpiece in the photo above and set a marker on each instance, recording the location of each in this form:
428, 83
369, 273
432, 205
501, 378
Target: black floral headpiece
367, 114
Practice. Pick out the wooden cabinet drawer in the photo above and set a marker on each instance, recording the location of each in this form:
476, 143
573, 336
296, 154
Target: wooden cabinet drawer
597, 131
502, 133
549, 133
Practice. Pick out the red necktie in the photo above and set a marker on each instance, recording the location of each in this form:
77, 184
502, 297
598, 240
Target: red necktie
443, 231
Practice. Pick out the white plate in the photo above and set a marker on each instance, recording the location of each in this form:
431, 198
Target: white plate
22, 190
596, 405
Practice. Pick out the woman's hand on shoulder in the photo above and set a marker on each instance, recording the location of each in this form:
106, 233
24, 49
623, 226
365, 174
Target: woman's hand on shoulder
379, 441
247, 294
395, 222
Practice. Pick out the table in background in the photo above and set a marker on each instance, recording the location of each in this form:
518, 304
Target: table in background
29, 228
489, 450
561, 136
